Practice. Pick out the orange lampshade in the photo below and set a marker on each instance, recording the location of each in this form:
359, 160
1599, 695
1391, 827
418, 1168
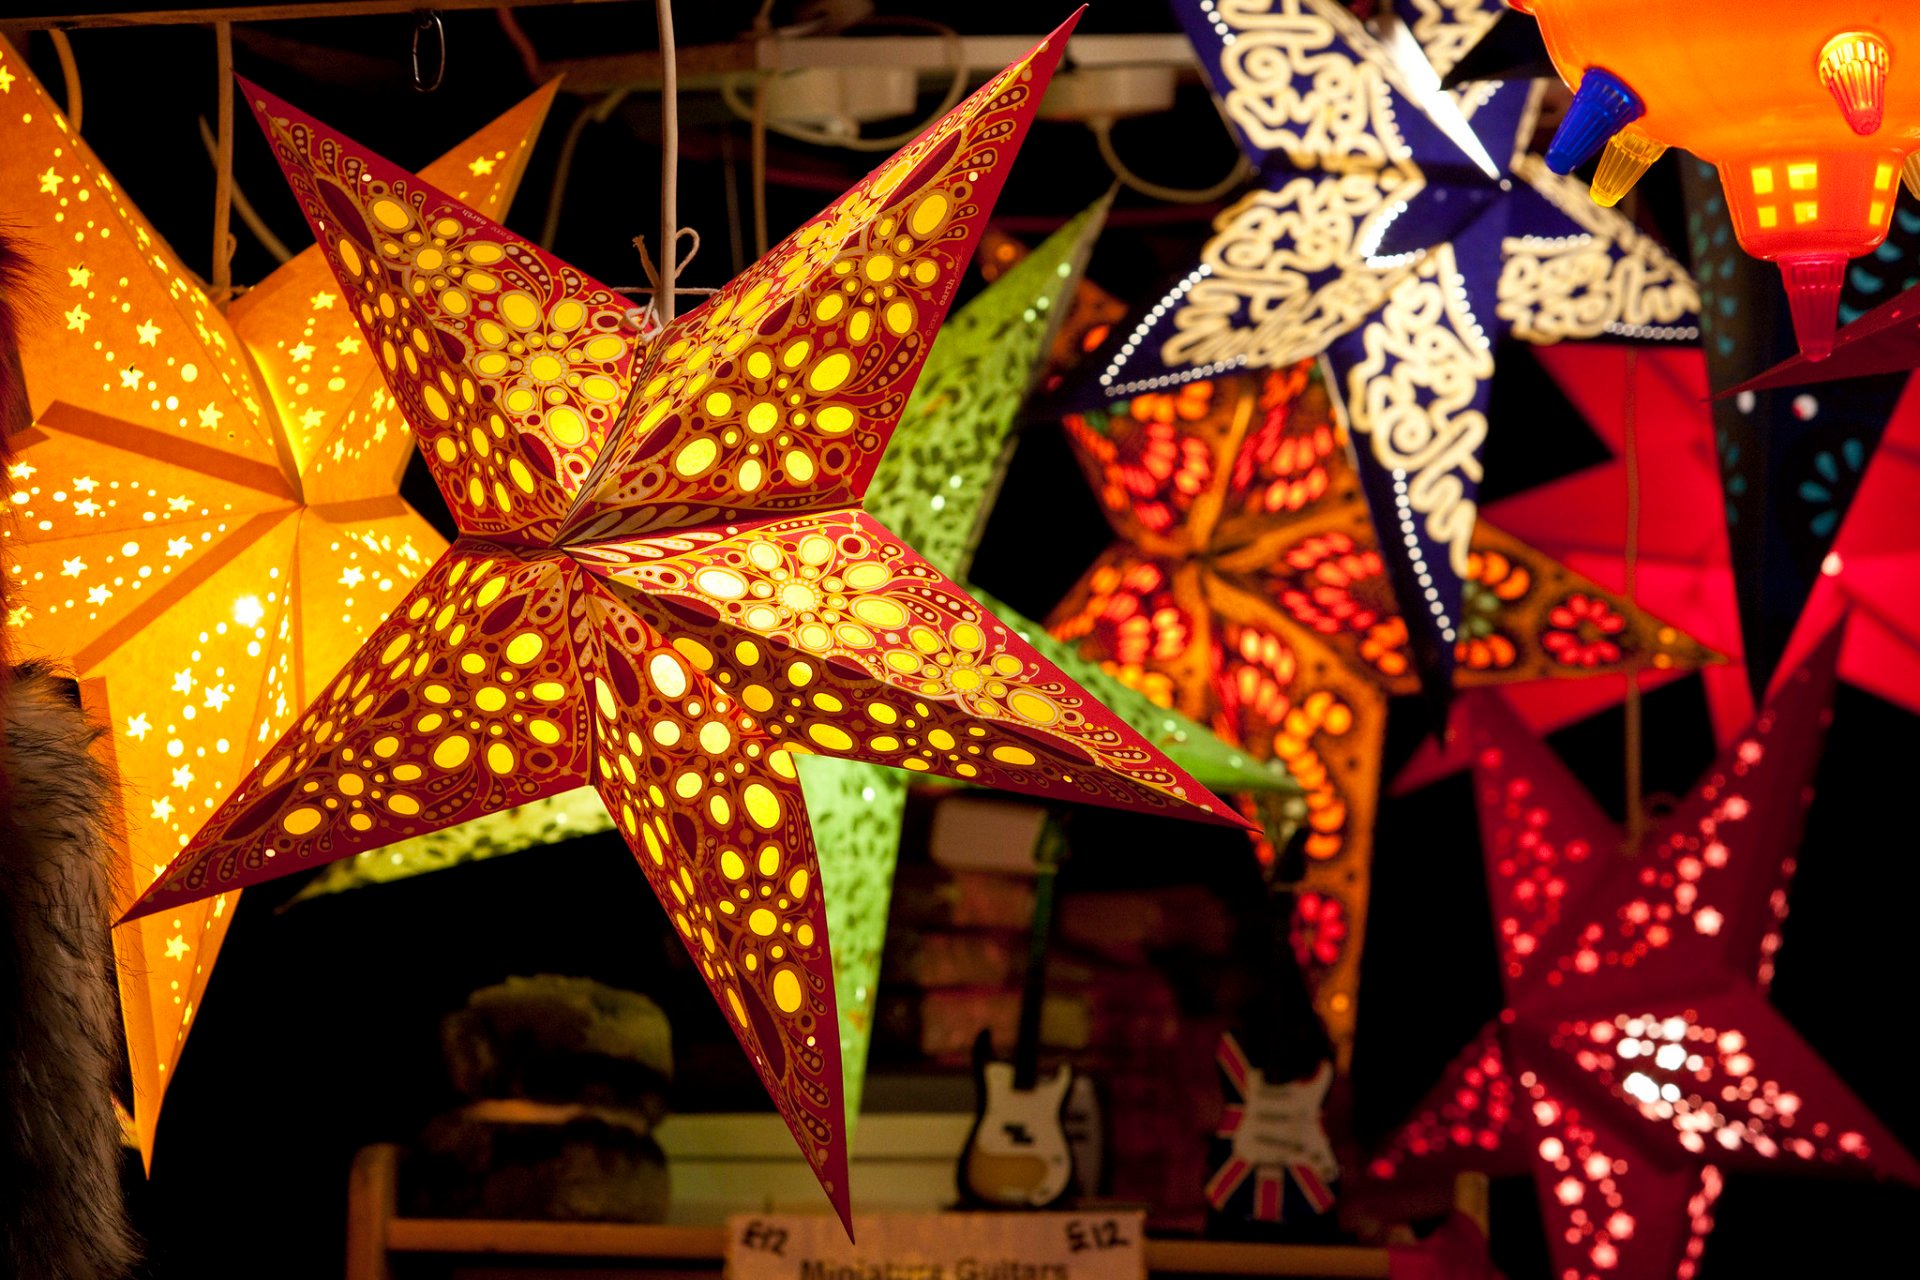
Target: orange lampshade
1806, 109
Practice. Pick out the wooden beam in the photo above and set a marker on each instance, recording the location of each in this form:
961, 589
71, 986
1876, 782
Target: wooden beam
36, 16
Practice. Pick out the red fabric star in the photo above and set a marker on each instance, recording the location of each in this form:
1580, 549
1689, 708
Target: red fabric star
1638, 1054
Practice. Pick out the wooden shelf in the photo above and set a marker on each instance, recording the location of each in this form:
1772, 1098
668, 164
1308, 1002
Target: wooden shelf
376, 1235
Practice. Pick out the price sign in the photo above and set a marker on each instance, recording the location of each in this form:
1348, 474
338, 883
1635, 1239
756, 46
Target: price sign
938, 1246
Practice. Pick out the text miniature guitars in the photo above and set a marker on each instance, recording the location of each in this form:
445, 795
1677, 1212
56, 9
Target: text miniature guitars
1018, 1155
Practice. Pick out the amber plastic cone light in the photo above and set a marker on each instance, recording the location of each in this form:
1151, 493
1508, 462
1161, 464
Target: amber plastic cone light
1854, 69
1629, 154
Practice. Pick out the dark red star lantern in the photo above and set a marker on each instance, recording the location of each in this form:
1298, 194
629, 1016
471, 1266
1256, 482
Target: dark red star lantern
1638, 1055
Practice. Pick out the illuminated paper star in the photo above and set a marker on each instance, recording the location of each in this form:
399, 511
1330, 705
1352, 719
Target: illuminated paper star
1400, 229
933, 487
1638, 1055
664, 586
217, 511
1248, 590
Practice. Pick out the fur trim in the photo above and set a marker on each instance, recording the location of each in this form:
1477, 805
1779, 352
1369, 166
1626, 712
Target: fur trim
17, 299
62, 1216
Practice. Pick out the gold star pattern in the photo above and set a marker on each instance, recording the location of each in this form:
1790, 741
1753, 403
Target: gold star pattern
209, 493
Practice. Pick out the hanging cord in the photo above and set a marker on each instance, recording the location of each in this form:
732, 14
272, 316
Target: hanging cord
223, 243
1102, 127
669, 165
522, 45
757, 164
563, 164
243, 206
1630, 409
956, 87
70, 71
1103, 138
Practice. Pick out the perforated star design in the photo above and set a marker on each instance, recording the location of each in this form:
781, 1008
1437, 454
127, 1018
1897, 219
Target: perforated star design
192, 506
1402, 230
1248, 591
1638, 1055
664, 586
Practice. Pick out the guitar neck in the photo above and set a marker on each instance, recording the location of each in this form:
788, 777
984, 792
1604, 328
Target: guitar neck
1033, 994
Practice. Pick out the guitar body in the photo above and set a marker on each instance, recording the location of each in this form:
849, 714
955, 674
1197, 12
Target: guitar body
1017, 1156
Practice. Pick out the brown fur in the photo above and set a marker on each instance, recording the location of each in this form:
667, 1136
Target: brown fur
61, 1212
18, 298
62, 1216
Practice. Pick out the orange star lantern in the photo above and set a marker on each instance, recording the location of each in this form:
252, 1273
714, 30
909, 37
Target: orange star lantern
664, 586
207, 512
1802, 106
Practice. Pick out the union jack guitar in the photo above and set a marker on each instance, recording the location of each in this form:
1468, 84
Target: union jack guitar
1270, 1153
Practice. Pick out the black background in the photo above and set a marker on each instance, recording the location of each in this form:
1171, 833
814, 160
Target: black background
318, 1033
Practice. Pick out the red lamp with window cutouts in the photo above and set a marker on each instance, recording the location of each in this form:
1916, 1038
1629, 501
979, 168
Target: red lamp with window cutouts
1806, 109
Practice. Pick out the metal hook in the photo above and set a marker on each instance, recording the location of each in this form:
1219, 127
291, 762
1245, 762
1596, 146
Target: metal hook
429, 20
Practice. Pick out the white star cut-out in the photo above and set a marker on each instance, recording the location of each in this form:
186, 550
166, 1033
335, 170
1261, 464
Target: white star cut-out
481, 167
183, 681
348, 346
177, 947
301, 352
352, 576
177, 547
210, 416
77, 318
149, 334
50, 182
138, 728
79, 277
311, 420
216, 697
73, 568
180, 503
162, 809
86, 484
85, 507
183, 777
6, 80
130, 377
99, 595
22, 470
321, 301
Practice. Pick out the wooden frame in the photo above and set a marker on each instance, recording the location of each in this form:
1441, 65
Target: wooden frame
376, 1233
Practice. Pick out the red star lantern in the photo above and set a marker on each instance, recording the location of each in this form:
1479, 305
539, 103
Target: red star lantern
664, 586
1638, 1054
1869, 573
1682, 574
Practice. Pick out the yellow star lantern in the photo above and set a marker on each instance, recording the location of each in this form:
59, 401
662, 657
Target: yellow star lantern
207, 518
664, 585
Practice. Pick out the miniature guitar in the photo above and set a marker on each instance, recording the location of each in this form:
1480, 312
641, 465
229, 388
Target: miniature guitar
1018, 1155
